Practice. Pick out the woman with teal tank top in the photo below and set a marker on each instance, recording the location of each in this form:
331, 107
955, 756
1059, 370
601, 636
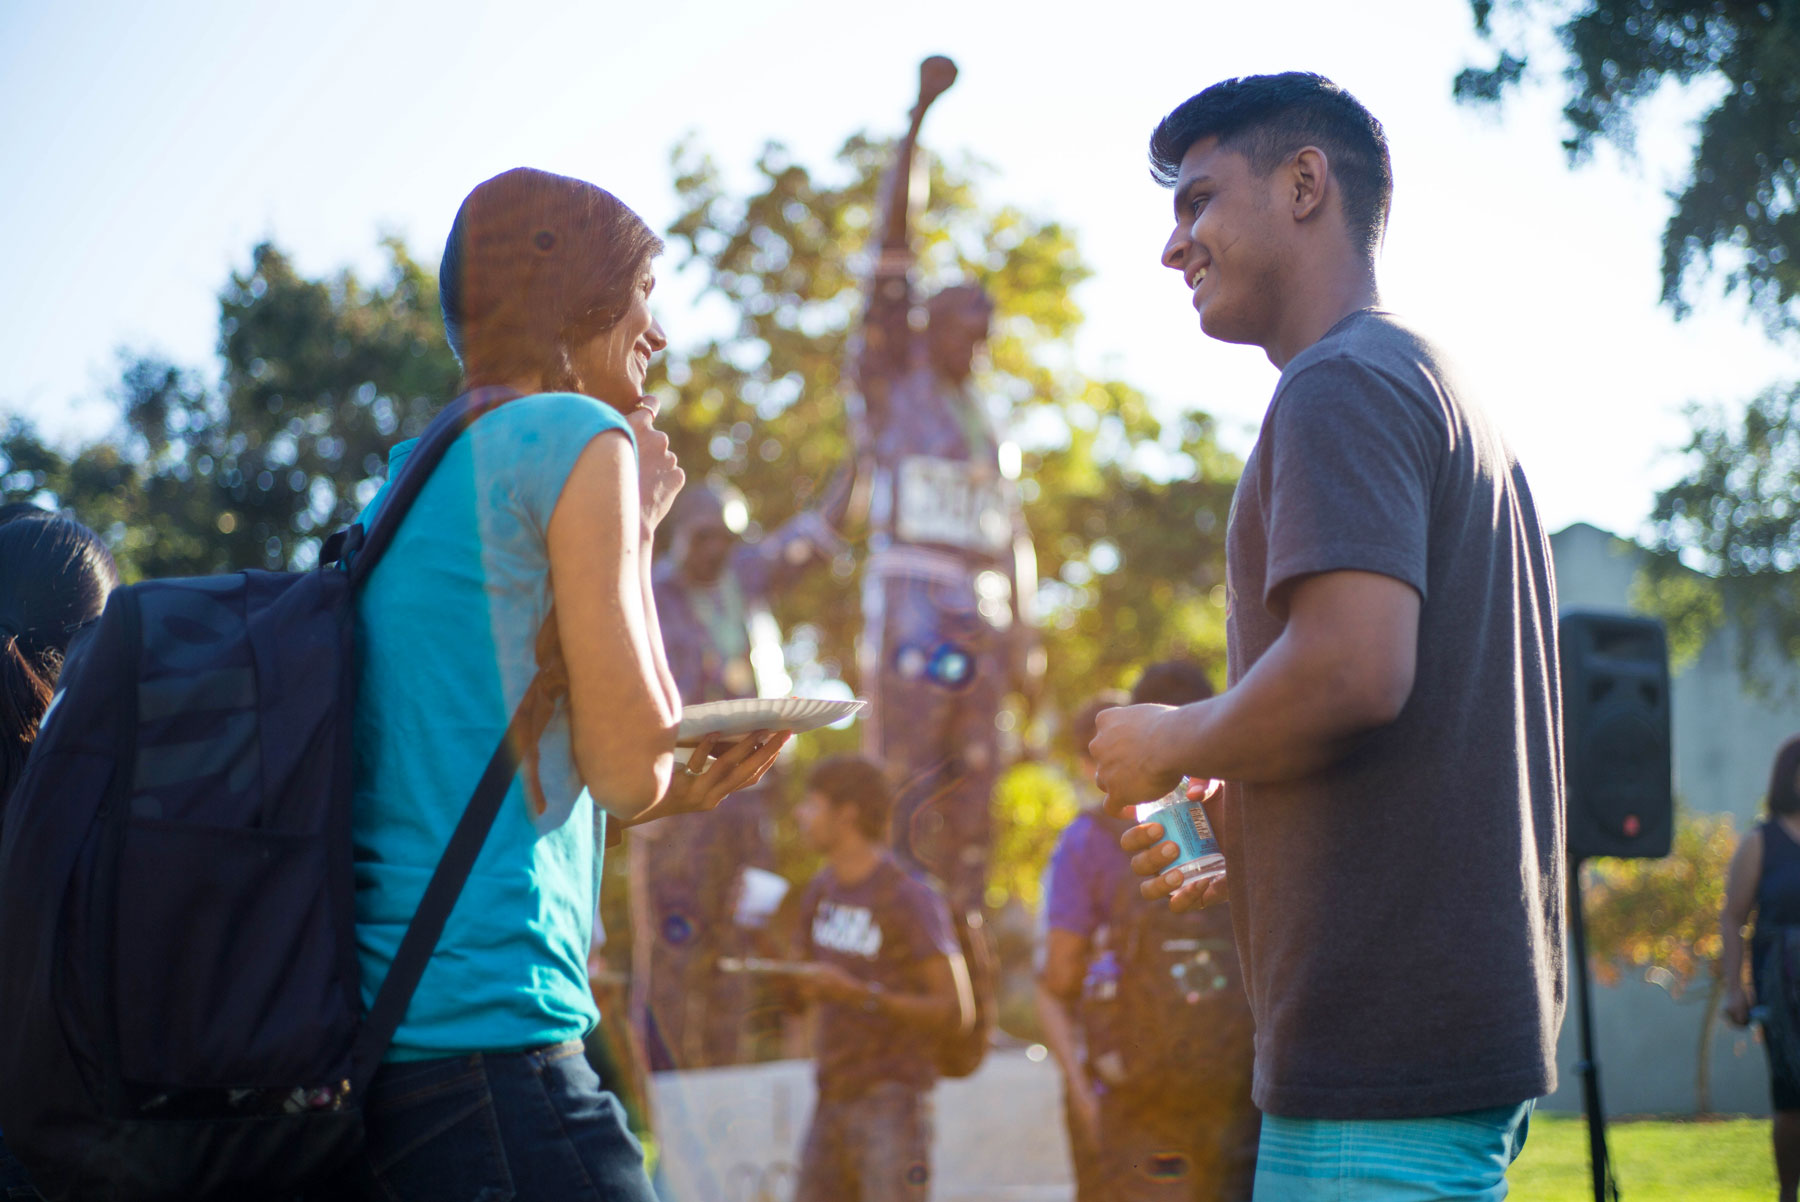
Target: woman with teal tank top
1764, 880
537, 524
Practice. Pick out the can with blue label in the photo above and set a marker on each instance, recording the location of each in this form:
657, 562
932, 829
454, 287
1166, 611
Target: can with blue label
1185, 824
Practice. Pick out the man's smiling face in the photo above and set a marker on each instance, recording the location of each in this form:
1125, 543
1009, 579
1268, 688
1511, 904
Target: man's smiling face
1228, 242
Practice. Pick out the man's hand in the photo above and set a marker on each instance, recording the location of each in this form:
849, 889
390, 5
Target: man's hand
1129, 748
1151, 855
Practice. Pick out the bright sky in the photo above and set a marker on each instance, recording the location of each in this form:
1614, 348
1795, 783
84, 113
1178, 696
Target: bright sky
146, 147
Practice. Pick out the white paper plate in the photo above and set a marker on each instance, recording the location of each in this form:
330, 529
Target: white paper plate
760, 713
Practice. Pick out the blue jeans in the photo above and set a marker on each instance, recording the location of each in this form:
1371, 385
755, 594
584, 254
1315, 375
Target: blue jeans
500, 1126
1449, 1158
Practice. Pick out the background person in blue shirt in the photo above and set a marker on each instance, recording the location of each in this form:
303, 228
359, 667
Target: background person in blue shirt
533, 535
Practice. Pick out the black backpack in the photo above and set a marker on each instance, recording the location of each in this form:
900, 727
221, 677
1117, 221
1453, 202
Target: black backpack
1172, 1000
960, 1053
179, 987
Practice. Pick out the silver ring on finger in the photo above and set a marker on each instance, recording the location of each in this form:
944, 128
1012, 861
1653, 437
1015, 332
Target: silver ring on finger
690, 770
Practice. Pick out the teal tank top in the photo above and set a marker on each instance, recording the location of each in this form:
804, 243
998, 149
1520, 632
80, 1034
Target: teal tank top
446, 631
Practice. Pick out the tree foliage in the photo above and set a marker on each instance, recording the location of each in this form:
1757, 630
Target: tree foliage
1736, 518
1662, 915
1660, 918
1738, 212
317, 378
1732, 516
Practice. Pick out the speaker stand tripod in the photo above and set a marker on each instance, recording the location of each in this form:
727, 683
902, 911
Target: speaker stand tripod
1605, 1188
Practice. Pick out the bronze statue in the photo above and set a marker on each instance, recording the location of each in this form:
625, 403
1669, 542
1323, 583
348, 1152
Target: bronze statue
950, 577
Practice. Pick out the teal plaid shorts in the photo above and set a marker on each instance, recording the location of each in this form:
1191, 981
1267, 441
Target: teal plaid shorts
1461, 1157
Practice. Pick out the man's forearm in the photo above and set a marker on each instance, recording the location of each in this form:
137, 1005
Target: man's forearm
1290, 716
921, 1011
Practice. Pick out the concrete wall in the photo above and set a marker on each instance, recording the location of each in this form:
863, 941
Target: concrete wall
1724, 737
734, 1134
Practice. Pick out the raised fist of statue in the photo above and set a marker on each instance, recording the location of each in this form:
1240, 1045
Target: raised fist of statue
936, 74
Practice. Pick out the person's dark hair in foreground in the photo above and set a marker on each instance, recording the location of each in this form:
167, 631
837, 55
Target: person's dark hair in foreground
1784, 780
55, 575
1763, 882
888, 978
1396, 834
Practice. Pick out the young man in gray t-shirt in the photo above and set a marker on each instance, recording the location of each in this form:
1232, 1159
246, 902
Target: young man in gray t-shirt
1392, 731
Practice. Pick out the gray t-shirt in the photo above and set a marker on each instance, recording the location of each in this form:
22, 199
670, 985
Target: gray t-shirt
1400, 913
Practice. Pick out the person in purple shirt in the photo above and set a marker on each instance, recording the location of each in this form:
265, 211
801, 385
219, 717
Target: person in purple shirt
1149, 989
712, 596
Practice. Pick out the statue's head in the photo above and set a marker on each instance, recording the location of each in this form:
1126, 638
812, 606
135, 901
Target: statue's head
957, 321
704, 533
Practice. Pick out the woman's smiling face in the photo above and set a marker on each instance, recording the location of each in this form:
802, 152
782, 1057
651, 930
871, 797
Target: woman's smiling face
612, 365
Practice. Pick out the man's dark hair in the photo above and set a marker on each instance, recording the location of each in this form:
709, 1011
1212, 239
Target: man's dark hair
1268, 118
854, 780
1784, 798
1172, 682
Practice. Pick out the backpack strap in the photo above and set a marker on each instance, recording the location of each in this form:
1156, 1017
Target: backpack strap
369, 544
427, 924
452, 872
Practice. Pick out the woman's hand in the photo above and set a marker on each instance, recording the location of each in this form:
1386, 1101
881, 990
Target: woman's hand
700, 785
1737, 1006
659, 474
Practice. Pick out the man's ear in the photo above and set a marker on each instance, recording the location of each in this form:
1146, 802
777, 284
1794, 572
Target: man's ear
1309, 179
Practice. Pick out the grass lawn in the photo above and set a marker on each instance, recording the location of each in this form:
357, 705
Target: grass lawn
1724, 1160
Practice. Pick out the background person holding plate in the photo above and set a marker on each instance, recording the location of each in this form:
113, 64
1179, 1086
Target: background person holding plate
712, 596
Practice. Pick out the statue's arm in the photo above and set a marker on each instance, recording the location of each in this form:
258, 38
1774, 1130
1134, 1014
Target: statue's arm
884, 341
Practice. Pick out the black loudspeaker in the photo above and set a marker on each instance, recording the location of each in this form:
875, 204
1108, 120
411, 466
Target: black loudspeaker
1615, 687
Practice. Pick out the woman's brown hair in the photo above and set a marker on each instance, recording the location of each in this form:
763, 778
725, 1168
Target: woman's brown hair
536, 264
